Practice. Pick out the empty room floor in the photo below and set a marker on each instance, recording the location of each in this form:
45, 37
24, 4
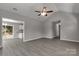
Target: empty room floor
40, 47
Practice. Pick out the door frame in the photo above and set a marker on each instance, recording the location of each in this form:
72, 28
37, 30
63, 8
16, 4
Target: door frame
22, 22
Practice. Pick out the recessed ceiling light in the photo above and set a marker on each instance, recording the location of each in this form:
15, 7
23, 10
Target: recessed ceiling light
15, 9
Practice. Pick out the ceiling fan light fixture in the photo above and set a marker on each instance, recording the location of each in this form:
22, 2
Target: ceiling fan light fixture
43, 13
44, 9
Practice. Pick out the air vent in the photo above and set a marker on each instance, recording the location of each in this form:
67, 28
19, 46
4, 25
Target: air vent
15, 9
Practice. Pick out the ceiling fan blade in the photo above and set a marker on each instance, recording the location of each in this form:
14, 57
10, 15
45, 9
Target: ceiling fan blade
49, 11
46, 15
39, 14
37, 11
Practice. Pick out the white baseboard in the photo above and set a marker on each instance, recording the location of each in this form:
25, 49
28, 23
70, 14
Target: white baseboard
28, 40
36, 39
49, 37
31, 39
69, 40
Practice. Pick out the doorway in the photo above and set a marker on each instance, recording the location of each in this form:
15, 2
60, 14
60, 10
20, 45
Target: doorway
7, 31
12, 29
56, 29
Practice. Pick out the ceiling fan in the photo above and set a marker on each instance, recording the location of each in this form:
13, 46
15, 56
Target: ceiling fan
44, 11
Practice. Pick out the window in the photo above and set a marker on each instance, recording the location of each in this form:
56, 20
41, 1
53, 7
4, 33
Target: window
7, 31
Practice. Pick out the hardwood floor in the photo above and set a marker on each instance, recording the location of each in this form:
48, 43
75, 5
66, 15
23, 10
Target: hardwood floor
0, 52
40, 47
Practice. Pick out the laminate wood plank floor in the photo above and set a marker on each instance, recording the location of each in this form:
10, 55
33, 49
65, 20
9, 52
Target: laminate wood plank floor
40, 47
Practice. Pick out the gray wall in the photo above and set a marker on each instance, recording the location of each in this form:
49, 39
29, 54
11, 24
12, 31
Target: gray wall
33, 28
70, 27
50, 25
0, 31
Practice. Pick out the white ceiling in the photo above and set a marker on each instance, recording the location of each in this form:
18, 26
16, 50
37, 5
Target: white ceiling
28, 9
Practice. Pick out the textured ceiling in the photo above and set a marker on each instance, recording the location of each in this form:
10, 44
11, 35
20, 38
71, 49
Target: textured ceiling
28, 9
